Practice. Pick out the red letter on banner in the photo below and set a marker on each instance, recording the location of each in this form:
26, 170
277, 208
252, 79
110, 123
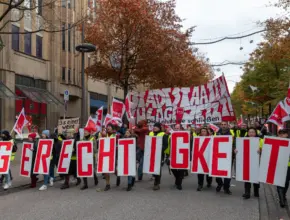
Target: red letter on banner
246, 164
42, 160
217, 155
125, 144
198, 155
5, 155
276, 144
65, 156
126, 157
85, 155
152, 155
26, 159
106, 155
180, 150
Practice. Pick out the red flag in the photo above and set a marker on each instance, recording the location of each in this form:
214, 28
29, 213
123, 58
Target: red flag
107, 120
117, 109
214, 127
20, 123
278, 114
99, 114
240, 121
91, 123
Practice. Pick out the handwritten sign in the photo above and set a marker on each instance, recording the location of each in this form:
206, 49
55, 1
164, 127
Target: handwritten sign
65, 124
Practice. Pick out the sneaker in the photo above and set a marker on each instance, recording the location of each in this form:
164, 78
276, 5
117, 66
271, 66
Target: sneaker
42, 188
10, 184
199, 188
107, 188
6, 186
64, 186
227, 191
84, 187
218, 188
129, 188
179, 187
156, 187
51, 181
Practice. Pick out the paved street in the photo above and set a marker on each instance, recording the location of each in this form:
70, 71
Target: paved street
142, 203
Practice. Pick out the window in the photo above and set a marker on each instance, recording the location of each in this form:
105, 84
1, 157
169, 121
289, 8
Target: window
68, 3
74, 76
27, 43
68, 74
69, 37
39, 7
24, 81
38, 46
41, 84
63, 3
98, 96
63, 36
63, 74
15, 37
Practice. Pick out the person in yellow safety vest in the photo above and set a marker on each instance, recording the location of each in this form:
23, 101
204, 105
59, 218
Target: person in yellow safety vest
71, 134
47, 179
178, 174
112, 132
8, 177
157, 131
225, 130
243, 131
282, 191
252, 132
89, 136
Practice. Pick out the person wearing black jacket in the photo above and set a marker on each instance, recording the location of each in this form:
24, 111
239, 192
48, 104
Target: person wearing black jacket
33, 177
225, 130
157, 131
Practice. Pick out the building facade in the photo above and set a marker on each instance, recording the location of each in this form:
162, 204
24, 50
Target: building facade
36, 68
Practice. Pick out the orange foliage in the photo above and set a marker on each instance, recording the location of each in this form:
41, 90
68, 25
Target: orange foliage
140, 41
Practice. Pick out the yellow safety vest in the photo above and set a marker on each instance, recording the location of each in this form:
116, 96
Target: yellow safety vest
12, 158
239, 133
160, 134
167, 150
194, 134
111, 136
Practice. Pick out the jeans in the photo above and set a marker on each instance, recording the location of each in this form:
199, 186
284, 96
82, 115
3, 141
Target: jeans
130, 180
50, 174
46, 179
7, 177
285, 189
140, 156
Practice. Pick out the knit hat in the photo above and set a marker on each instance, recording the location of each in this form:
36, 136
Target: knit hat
6, 133
158, 125
46, 133
32, 135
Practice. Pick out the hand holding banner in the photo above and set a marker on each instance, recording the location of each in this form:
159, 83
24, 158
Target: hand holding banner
152, 155
5, 155
65, 156
26, 159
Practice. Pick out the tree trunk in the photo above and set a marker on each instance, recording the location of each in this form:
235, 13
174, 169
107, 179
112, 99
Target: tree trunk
125, 88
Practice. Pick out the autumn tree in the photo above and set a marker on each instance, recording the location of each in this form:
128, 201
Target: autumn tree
140, 41
44, 14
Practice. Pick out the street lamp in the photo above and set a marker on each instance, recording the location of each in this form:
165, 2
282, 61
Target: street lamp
84, 48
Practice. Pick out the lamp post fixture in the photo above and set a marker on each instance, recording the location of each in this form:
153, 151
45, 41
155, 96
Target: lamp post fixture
84, 48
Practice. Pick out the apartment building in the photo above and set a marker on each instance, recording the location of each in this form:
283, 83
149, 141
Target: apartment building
36, 68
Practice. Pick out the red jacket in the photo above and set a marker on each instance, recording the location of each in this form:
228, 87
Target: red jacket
141, 132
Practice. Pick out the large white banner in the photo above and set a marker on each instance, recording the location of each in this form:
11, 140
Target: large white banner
106, 155
5, 155
152, 155
26, 159
85, 162
201, 154
180, 150
207, 103
247, 159
274, 161
127, 157
221, 156
43, 156
65, 156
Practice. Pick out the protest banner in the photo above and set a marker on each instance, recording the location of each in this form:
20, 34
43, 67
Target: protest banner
43, 156
221, 156
65, 156
106, 155
201, 155
85, 162
274, 150
117, 109
152, 155
180, 150
247, 159
126, 164
65, 124
26, 159
5, 155
209, 103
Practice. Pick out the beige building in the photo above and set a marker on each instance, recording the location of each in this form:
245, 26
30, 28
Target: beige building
36, 68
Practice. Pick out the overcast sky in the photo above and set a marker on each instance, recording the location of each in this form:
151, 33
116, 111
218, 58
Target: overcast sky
219, 18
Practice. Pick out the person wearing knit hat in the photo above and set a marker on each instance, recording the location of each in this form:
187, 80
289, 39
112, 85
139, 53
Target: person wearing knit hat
157, 131
88, 136
33, 177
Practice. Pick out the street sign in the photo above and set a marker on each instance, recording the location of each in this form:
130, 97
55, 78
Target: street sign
66, 95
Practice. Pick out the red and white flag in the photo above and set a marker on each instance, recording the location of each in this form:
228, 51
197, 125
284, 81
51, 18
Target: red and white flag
91, 123
214, 127
278, 115
99, 115
287, 106
107, 120
20, 123
117, 109
240, 121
